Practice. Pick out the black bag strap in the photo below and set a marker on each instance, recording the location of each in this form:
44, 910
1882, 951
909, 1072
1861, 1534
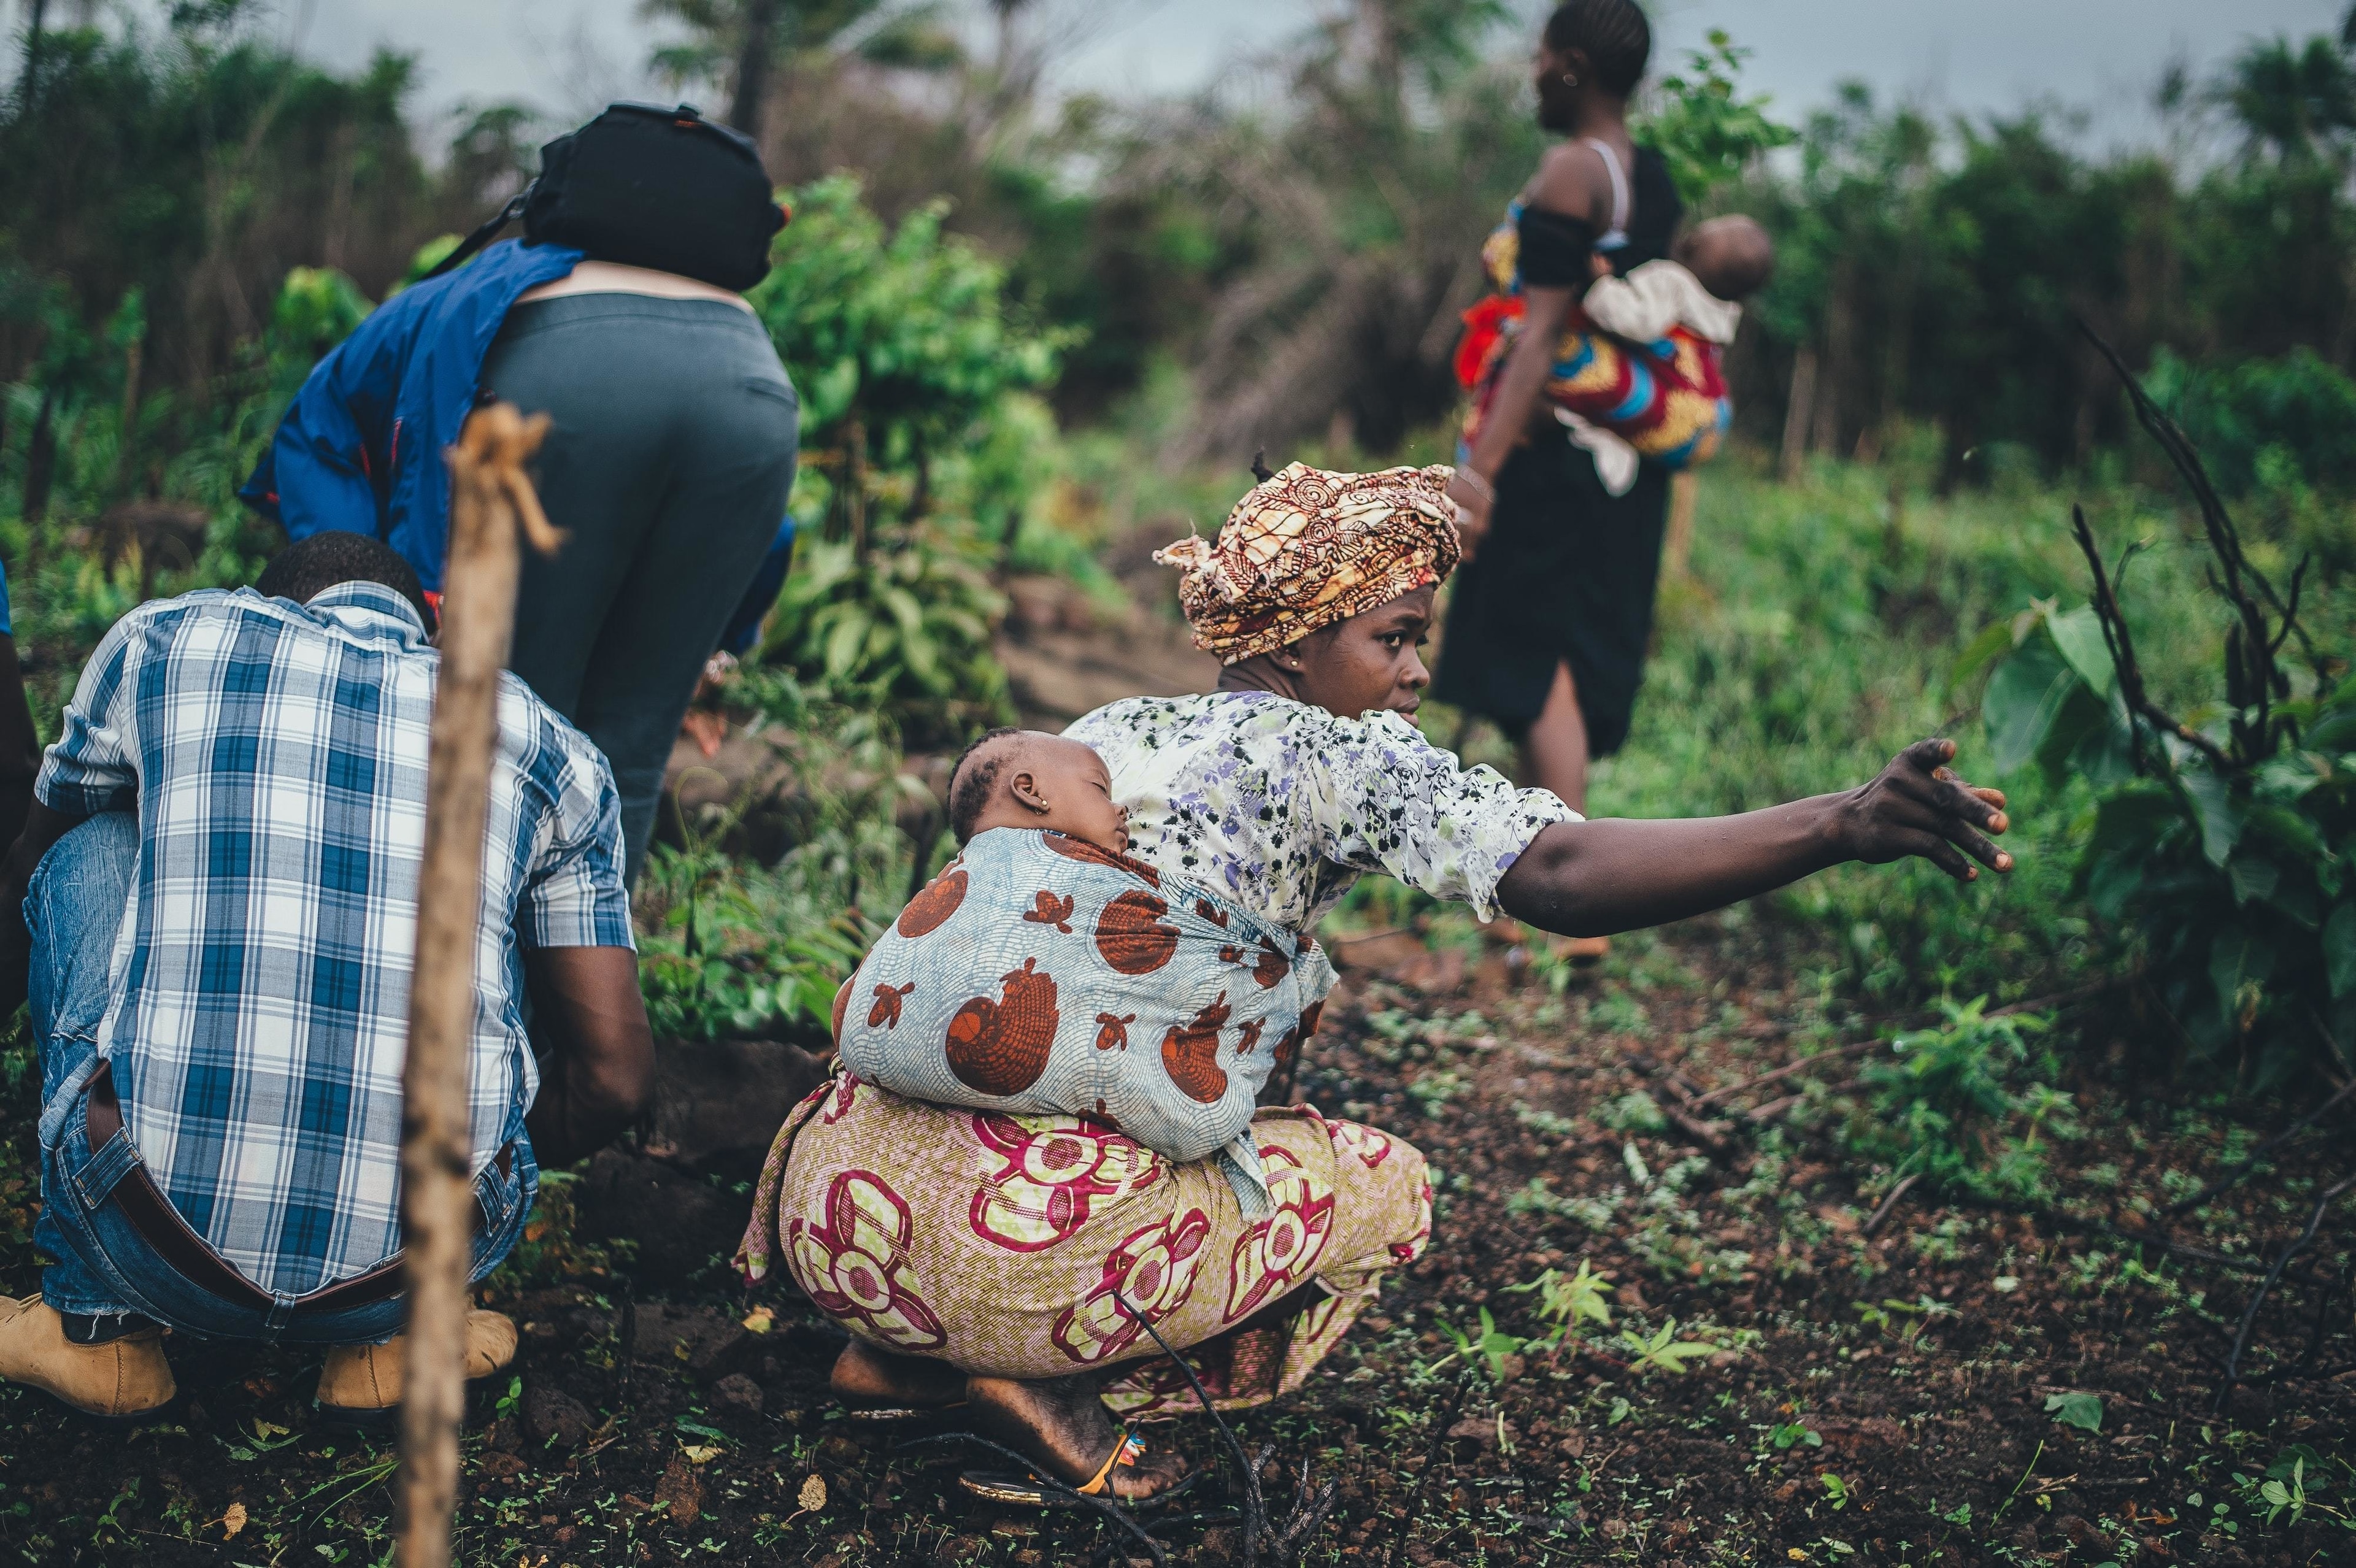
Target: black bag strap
482, 236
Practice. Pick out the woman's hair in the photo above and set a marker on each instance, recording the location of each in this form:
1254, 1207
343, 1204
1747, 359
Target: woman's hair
1613, 34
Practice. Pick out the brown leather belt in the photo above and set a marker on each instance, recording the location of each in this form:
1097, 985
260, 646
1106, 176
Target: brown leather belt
159, 1224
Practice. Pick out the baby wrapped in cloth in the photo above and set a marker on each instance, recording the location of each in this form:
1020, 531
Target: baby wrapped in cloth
1044, 971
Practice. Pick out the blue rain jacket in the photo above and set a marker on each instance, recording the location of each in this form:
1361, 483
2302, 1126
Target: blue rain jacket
361, 450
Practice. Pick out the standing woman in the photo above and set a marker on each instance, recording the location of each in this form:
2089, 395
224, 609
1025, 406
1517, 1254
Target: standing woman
673, 427
1553, 606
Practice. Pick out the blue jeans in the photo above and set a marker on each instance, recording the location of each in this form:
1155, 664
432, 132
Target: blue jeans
103, 1268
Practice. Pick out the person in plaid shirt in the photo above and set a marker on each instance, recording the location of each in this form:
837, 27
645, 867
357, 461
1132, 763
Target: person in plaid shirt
218, 883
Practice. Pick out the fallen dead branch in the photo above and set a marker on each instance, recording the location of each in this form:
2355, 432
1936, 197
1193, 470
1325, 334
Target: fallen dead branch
2249, 1162
1883, 1210
1414, 1509
2298, 1243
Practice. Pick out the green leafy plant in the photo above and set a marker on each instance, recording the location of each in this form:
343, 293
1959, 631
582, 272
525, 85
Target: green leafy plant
923, 456
2220, 839
1569, 1301
1492, 1345
730, 946
1663, 1352
1792, 1433
1944, 1105
1708, 135
909, 629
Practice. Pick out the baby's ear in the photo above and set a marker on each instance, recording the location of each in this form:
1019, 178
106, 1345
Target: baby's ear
1025, 788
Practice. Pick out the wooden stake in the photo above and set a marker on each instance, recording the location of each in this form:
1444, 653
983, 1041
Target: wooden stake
490, 499
1799, 412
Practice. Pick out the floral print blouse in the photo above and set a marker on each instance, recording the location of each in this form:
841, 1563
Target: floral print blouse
1283, 806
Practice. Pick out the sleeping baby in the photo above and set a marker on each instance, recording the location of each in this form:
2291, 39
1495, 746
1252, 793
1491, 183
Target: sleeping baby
1046, 972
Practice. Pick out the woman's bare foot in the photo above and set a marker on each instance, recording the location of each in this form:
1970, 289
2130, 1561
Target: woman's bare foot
1063, 1426
866, 1375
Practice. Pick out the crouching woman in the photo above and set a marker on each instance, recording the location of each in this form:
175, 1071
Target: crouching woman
1007, 1261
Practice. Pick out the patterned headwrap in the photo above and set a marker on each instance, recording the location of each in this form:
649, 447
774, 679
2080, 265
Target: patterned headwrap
1305, 549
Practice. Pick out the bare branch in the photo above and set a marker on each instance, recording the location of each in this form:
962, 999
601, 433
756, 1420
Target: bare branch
2121, 643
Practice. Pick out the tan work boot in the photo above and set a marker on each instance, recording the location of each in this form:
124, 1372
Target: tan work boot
361, 1384
120, 1380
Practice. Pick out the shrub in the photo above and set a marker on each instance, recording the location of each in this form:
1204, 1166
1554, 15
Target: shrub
922, 455
2220, 840
1950, 1104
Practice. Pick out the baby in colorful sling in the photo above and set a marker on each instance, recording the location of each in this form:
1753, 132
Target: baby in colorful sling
1044, 972
1638, 372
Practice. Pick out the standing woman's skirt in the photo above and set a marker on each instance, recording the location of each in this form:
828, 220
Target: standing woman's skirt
1565, 576
1018, 1246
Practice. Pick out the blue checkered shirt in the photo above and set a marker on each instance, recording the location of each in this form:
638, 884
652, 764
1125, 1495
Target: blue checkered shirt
276, 754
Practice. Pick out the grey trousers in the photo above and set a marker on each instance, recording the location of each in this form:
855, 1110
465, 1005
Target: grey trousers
667, 465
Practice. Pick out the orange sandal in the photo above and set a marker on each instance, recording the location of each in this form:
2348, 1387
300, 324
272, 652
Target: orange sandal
1030, 1491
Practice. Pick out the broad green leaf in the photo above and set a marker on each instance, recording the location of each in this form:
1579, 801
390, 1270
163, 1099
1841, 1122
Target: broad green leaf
2340, 949
2238, 958
2104, 753
2079, 634
2083, 1411
1994, 642
2220, 815
2334, 730
2025, 697
842, 644
2252, 878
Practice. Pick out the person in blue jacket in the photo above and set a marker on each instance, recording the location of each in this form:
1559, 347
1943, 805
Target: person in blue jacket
667, 465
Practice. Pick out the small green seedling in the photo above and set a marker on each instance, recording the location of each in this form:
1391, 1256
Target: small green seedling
1836, 1490
1570, 1302
1797, 1432
1490, 1344
1664, 1352
2083, 1411
2289, 1493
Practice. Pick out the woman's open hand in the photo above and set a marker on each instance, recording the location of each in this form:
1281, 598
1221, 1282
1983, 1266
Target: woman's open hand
1919, 807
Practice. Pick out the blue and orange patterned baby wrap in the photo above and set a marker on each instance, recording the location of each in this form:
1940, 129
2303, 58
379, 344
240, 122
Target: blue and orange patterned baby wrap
1666, 398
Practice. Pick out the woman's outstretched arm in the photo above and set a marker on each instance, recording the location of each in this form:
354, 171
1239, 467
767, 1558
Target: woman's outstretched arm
1593, 878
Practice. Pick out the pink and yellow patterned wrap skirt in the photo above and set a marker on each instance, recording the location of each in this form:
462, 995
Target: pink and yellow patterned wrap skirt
1007, 1246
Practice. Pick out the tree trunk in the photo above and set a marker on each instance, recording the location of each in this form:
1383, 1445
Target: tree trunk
32, 68
759, 48
1677, 552
490, 499
1799, 411
854, 488
41, 459
126, 448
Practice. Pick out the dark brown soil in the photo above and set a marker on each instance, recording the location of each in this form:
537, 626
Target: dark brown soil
1869, 1399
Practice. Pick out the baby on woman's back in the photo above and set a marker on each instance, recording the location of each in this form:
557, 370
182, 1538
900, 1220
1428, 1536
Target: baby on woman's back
1044, 972
1030, 779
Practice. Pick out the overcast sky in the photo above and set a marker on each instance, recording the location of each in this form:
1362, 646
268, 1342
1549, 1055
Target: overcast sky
2100, 56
